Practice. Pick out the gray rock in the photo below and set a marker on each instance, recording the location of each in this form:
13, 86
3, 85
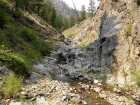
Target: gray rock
77, 64
3, 69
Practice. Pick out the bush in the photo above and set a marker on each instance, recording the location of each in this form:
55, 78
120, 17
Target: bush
138, 78
4, 19
13, 34
129, 30
43, 47
32, 54
18, 14
28, 34
15, 62
138, 2
10, 86
3, 38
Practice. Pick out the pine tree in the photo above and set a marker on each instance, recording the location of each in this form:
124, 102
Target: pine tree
91, 8
53, 15
58, 22
72, 21
83, 13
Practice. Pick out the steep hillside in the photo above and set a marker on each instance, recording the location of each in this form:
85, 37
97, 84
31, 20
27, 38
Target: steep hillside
63, 8
82, 33
116, 45
23, 39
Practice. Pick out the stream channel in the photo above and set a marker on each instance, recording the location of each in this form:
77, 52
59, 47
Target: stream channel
72, 66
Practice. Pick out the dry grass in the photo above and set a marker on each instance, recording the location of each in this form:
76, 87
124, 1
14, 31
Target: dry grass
71, 32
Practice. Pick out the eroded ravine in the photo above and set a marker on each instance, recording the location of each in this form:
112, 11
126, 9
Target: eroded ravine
66, 78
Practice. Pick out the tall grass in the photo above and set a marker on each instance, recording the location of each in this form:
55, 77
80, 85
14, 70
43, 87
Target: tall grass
10, 86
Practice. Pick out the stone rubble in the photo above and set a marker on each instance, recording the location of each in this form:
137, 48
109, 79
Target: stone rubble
50, 80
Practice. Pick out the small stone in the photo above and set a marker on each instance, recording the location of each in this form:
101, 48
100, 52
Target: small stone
23, 93
84, 102
79, 83
41, 101
64, 98
115, 89
97, 89
71, 90
119, 91
99, 84
76, 100
33, 99
15, 103
7, 101
103, 96
27, 81
96, 81
122, 103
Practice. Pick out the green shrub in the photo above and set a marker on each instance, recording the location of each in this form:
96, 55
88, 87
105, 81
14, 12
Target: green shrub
43, 47
22, 98
13, 34
138, 78
104, 77
18, 14
10, 86
4, 19
28, 34
15, 62
32, 54
3, 38
138, 2
129, 30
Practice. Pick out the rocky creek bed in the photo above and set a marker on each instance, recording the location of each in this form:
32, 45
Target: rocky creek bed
67, 78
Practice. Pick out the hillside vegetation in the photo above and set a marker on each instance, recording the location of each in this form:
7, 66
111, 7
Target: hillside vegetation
20, 45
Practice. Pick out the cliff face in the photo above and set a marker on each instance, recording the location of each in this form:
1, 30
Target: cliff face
117, 46
116, 42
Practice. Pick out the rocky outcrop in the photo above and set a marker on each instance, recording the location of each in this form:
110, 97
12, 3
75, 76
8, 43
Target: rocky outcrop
116, 43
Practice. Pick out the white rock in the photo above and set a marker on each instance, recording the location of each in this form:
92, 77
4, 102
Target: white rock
97, 89
121, 80
23, 93
96, 81
103, 95
115, 89
15, 103
99, 84
41, 101
64, 98
84, 102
